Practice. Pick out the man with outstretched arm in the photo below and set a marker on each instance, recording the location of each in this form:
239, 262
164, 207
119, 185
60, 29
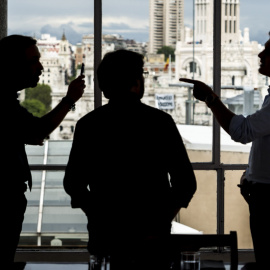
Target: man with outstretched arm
255, 183
20, 68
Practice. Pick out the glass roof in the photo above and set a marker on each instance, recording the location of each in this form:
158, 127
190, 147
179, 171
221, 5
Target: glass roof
49, 211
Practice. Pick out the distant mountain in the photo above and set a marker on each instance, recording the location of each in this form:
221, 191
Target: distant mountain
72, 36
75, 37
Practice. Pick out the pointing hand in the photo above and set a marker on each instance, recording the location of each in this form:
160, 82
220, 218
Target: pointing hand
200, 90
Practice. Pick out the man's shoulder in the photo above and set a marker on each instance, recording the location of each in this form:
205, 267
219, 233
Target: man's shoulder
95, 114
154, 111
105, 112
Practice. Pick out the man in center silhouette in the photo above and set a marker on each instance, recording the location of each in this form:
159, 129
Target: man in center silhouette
128, 168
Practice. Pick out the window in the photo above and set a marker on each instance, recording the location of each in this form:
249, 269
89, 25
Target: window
192, 67
211, 161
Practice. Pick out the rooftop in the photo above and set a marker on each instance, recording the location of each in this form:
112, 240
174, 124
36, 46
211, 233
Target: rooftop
200, 138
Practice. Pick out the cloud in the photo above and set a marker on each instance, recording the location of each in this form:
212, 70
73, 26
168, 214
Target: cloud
86, 25
119, 26
125, 16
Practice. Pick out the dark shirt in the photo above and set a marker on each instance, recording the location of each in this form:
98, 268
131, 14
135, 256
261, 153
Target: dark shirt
17, 130
132, 158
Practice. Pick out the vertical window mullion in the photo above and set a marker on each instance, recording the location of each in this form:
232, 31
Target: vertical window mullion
97, 48
3, 18
216, 76
216, 127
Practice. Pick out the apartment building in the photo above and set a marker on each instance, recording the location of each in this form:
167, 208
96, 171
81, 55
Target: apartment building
166, 25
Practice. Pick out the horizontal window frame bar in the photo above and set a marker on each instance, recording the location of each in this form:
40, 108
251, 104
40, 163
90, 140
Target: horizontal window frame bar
196, 166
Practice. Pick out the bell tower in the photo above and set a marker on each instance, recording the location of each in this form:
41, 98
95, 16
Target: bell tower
65, 54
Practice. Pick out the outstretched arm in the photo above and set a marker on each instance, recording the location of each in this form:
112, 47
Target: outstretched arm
204, 93
51, 120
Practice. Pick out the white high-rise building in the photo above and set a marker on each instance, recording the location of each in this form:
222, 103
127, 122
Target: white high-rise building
230, 21
166, 25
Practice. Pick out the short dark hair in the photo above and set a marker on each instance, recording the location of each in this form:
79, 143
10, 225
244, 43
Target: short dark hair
118, 72
12, 49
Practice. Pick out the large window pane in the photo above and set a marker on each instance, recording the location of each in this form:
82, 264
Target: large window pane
30, 220
58, 28
236, 210
58, 153
63, 220
35, 154
56, 197
36, 177
54, 179
201, 213
243, 87
33, 197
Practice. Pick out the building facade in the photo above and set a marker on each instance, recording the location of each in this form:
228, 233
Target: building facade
84, 54
239, 55
239, 69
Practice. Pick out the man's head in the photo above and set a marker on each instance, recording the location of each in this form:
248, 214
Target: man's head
121, 72
265, 60
19, 65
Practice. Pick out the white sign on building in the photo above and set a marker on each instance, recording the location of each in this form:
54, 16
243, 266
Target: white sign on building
165, 101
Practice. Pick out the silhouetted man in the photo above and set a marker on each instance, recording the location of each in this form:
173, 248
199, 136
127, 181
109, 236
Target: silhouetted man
20, 68
128, 168
255, 184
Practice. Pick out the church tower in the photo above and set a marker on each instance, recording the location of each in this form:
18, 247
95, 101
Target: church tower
65, 54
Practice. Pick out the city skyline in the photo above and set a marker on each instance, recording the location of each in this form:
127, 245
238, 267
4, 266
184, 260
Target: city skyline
34, 17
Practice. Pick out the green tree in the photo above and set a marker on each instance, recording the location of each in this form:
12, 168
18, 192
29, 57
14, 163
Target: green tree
41, 92
34, 106
167, 50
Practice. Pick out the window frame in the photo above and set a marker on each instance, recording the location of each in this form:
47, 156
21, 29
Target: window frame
215, 164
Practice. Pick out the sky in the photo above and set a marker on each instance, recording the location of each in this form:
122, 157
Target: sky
129, 18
